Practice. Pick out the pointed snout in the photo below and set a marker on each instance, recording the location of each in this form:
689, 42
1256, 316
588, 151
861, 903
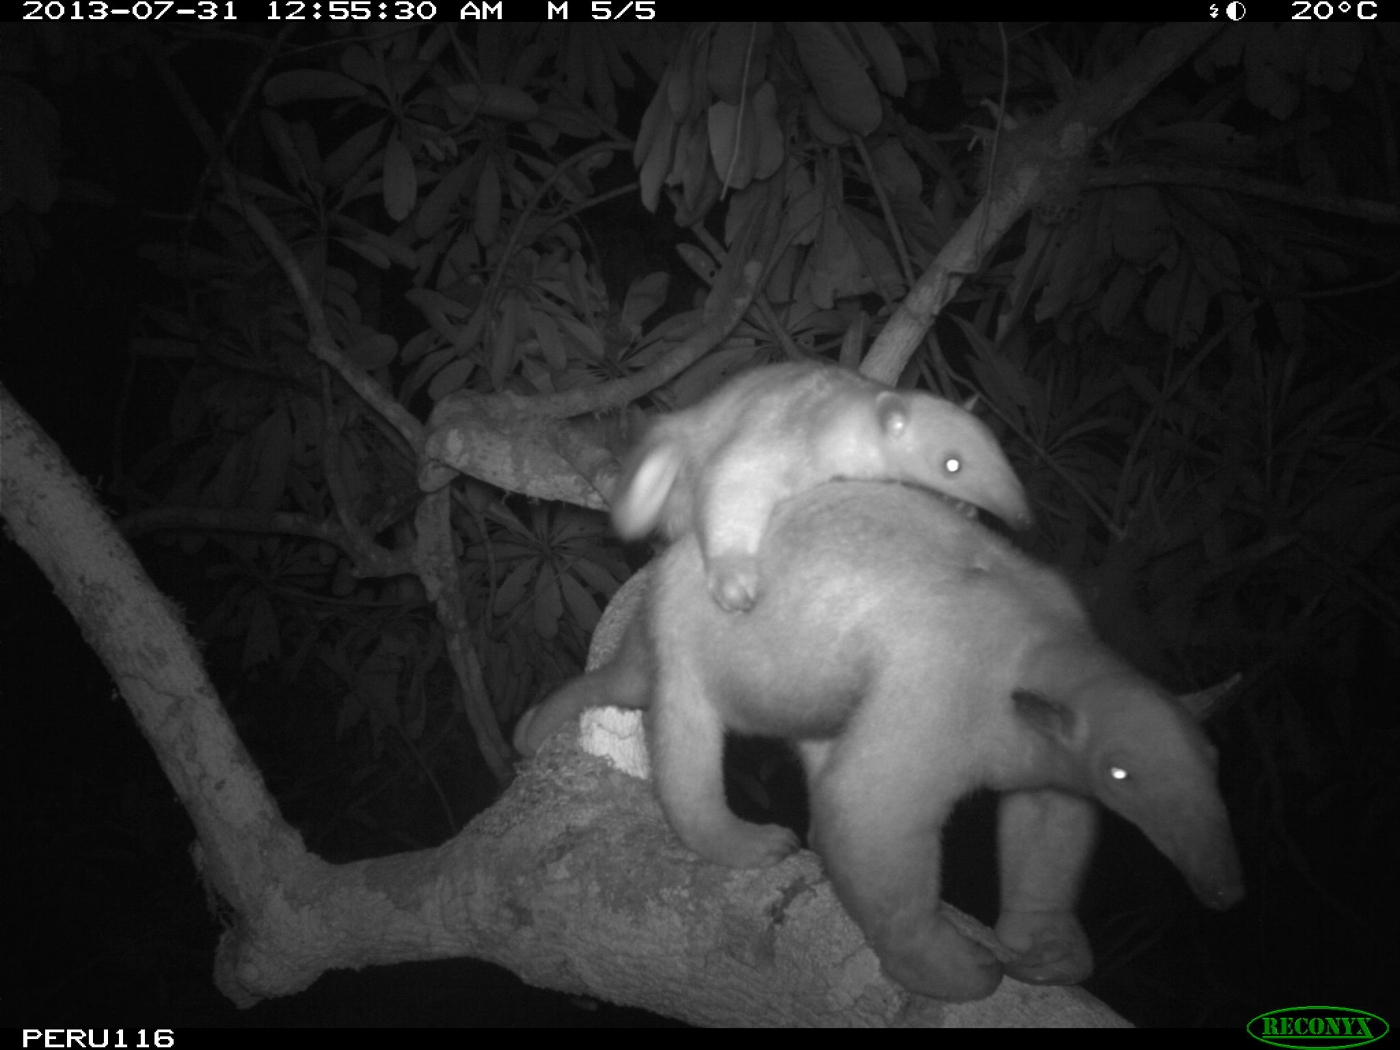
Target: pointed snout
1014, 508
1195, 836
1222, 886
1204, 852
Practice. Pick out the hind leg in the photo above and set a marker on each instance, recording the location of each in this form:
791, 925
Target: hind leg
1045, 839
879, 837
686, 739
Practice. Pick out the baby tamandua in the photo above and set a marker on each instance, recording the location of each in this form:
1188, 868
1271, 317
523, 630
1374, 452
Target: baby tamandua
720, 467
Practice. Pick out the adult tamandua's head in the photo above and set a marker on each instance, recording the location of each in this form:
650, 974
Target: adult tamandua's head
719, 468
1136, 749
912, 657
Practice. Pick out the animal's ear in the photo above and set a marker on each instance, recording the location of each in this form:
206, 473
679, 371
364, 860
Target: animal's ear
970, 403
642, 491
1202, 704
1046, 715
892, 411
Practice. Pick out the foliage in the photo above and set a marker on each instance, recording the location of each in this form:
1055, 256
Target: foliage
1209, 438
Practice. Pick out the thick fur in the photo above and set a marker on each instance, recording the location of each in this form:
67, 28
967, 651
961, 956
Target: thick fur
912, 656
719, 468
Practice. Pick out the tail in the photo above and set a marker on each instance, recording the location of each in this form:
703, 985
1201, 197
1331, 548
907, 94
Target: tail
625, 682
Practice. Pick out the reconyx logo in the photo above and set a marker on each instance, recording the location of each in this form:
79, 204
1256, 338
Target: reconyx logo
1333, 1027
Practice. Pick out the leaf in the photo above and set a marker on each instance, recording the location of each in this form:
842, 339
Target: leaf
273, 443
548, 605
896, 169
1073, 258
347, 158
486, 222
834, 267
1144, 387
728, 137
597, 577
368, 252
1118, 300
801, 219
678, 80
495, 100
373, 350
452, 377
846, 92
440, 202
504, 340
876, 260
1167, 294
263, 640
402, 75
1266, 85
827, 131
653, 153
884, 55
551, 344
396, 251
600, 85
1336, 54
357, 63
308, 150
511, 593
1142, 228
767, 132
400, 180
645, 296
581, 604
728, 53
171, 349
298, 85
1211, 141
923, 36
699, 261
1002, 383
587, 339
492, 50
744, 221
1191, 320
279, 137
693, 164
172, 321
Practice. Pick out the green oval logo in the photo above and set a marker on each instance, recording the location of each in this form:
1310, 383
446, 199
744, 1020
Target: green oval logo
1308, 1027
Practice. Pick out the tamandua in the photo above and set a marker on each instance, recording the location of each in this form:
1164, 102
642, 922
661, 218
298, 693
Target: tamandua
720, 467
913, 656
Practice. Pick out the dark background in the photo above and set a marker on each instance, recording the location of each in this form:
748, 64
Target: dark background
107, 923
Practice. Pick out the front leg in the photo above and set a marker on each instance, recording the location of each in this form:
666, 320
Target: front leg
1044, 838
686, 740
878, 832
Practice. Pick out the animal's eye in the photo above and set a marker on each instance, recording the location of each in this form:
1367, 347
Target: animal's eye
1117, 773
952, 464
